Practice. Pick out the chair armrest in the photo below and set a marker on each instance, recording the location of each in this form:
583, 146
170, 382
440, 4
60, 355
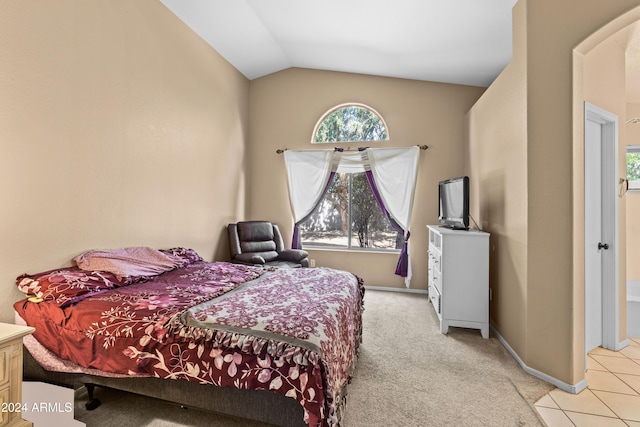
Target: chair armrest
293, 255
249, 259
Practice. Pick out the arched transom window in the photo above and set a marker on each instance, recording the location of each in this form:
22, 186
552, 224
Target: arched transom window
350, 123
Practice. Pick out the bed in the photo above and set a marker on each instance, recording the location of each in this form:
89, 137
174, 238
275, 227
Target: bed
236, 339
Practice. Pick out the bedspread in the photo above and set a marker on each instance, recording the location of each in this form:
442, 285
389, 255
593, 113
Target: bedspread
292, 331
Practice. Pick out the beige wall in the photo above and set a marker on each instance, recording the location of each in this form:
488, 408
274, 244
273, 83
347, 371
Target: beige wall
632, 137
556, 103
285, 107
539, 305
596, 23
497, 166
118, 126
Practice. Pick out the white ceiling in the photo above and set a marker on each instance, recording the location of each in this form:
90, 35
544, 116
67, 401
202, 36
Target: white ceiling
452, 41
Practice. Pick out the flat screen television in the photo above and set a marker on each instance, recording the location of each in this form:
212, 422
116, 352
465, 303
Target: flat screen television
453, 196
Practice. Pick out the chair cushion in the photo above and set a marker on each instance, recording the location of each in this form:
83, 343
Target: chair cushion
249, 259
293, 255
255, 231
266, 255
265, 246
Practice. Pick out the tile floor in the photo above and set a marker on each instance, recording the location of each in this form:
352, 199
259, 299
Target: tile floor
612, 398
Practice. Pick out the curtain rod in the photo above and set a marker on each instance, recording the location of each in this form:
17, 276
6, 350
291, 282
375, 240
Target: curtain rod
282, 150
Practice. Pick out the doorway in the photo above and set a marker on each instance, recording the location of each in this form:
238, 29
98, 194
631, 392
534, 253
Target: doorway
601, 229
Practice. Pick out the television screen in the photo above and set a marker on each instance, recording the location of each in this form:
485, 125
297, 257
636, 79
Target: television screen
454, 202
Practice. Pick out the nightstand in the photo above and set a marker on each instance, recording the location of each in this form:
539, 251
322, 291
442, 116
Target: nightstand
11, 404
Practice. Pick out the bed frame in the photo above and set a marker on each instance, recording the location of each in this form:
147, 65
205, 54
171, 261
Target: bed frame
257, 405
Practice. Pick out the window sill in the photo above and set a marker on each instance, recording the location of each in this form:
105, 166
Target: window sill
357, 251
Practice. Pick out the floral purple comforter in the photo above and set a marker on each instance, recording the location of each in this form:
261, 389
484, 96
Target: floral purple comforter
293, 331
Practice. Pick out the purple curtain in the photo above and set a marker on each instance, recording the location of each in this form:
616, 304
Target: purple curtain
402, 268
296, 243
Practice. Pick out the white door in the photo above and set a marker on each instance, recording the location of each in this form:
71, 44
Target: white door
593, 234
601, 229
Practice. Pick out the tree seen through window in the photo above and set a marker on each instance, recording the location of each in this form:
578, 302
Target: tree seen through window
633, 167
351, 123
349, 216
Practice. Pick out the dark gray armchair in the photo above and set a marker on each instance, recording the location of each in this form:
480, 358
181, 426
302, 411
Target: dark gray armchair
260, 243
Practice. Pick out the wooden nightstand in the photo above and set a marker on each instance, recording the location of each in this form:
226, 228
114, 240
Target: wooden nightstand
11, 375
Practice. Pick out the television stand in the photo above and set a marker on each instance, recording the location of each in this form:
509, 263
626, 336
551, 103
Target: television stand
459, 278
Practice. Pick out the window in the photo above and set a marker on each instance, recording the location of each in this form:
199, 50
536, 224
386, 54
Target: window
633, 167
349, 217
350, 123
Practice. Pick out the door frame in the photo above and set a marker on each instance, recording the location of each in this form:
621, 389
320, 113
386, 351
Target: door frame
610, 225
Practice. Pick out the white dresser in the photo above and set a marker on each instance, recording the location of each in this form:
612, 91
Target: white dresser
11, 375
459, 278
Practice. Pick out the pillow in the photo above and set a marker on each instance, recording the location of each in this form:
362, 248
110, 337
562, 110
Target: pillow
133, 263
65, 286
189, 256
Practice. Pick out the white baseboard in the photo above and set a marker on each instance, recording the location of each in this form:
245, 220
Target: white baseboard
569, 388
406, 290
622, 345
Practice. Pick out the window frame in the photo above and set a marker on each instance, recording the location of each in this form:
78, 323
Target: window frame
349, 232
636, 184
345, 105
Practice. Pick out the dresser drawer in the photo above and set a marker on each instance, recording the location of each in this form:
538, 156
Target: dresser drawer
5, 397
435, 257
436, 280
436, 300
5, 365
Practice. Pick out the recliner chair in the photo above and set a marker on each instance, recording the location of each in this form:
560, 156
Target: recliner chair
260, 243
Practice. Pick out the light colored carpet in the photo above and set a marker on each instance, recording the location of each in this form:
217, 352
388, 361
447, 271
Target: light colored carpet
408, 374
415, 376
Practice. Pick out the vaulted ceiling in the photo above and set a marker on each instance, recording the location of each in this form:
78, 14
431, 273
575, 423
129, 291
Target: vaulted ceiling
454, 41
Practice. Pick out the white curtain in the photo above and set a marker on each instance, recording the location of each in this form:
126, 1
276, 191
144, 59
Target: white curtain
307, 173
351, 161
395, 171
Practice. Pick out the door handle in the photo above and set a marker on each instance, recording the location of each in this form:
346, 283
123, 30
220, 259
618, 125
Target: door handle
604, 246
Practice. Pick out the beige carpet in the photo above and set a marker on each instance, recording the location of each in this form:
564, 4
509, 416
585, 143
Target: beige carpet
408, 374
414, 376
